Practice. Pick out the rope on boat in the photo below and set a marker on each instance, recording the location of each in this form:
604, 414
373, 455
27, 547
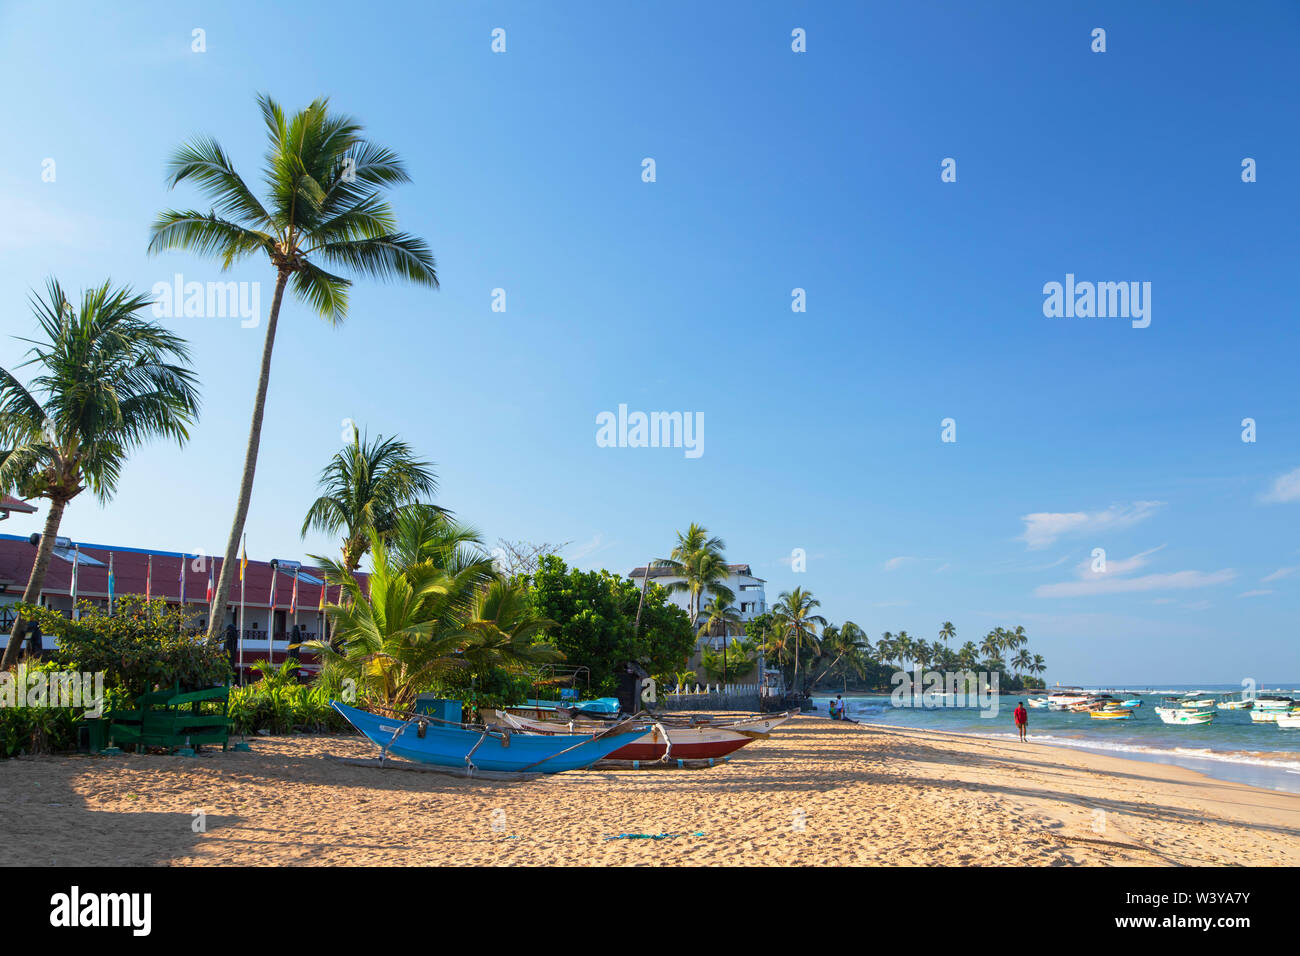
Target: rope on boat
578, 744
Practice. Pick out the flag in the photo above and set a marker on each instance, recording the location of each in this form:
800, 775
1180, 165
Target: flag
210, 587
293, 601
323, 588
148, 581
76, 563
112, 580
182, 580
274, 574
243, 559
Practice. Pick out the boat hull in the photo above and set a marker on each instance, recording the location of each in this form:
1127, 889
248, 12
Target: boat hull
1184, 717
457, 748
702, 742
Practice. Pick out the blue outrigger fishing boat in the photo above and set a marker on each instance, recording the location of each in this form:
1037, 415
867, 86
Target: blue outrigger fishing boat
498, 750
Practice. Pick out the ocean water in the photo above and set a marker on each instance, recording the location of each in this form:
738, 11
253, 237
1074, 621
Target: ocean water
1231, 747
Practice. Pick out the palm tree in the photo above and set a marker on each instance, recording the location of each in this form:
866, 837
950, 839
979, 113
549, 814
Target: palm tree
905, 647
430, 607
947, 632
794, 612
1040, 666
109, 382
697, 559
722, 614
847, 643
325, 208
1022, 661
365, 485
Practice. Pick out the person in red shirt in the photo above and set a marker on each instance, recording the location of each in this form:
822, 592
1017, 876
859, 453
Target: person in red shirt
1022, 720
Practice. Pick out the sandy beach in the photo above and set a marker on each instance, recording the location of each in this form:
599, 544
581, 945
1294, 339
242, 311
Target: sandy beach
818, 792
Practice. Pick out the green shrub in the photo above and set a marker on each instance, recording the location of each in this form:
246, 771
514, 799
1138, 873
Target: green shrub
142, 646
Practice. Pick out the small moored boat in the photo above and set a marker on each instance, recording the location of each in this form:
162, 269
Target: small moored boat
425, 740
1177, 715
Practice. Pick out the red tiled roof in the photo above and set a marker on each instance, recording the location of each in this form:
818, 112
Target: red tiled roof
131, 567
9, 503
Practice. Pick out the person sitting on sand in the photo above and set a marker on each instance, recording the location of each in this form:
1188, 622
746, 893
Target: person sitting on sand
1022, 720
834, 709
844, 708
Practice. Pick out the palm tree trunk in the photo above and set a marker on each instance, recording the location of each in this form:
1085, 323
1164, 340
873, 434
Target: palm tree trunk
35, 580
645, 582
231, 561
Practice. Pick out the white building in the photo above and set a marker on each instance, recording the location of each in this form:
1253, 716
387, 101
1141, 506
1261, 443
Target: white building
750, 596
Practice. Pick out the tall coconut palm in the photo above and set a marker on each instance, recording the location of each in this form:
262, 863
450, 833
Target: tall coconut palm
108, 381
794, 612
698, 561
366, 484
324, 208
722, 615
947, 632
1040, 666
1023, 661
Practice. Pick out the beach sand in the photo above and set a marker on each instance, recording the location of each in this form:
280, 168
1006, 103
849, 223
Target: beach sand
818, 792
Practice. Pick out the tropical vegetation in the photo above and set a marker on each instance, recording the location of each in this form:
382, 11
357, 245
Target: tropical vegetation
107, 381
324, 209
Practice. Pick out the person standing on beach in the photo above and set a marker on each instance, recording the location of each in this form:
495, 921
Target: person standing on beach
1022, 720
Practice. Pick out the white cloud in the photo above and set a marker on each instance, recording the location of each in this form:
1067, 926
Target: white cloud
1260, 592
893, 564
1042, 528
1279, 574
596, 545
1118, 566
1106, 584
1285, 488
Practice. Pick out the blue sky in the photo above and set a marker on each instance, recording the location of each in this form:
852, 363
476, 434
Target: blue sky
775, 170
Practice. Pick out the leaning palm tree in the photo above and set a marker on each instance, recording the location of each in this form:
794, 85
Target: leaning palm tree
794, 610
366, 485
722, 615
108, 382
324, 207
847, 643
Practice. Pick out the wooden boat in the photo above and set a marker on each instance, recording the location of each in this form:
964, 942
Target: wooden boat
1177, 715
1275, 702
1038, 702
1132, 702
1112, 713
1235, 704
1290, 720
1266, 716
1066, 697
494, 749
678, 740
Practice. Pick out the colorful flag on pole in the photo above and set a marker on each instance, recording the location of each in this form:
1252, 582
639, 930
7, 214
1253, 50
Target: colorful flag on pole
148, 581
76, 564
323, 588
293, 601
210, 586
112, 581
243, 559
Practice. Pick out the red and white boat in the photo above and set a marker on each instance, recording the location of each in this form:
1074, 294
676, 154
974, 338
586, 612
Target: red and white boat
699, 740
